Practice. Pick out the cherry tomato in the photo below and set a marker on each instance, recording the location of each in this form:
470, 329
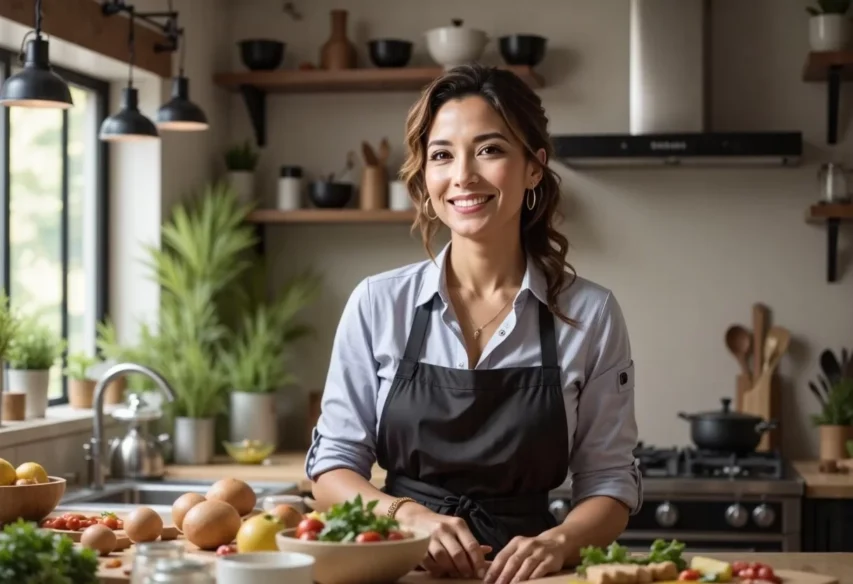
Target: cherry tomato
309, 525
689, 575
59, 523
110, 522
747, 573
765, 573
72, 523
756, 566
738, 566
368, 537
225, 550
308, 536
395, 536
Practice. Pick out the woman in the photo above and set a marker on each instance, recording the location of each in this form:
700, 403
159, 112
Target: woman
486, 378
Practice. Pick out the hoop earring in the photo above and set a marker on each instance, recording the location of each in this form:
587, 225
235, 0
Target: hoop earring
531, 204
426, 212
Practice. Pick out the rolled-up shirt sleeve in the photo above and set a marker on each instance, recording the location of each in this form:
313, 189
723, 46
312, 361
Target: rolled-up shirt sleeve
602, 460
345, 435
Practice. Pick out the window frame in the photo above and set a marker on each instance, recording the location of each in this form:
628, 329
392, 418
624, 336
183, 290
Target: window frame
100, 89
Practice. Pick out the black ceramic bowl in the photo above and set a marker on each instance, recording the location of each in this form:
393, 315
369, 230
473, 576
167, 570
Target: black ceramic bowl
390, 52
261, 54
522, 49
330, 195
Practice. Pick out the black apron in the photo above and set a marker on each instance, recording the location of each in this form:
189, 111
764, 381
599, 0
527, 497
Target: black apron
485, 445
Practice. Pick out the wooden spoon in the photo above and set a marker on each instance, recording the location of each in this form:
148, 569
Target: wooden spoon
776, 345
739, 342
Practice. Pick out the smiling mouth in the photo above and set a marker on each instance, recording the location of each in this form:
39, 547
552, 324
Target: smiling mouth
471, 201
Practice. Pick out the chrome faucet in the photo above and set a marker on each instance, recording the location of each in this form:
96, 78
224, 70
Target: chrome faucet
96, 443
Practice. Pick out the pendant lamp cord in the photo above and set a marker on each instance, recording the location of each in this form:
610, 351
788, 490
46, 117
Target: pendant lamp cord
38, 19
181, 40
132, 46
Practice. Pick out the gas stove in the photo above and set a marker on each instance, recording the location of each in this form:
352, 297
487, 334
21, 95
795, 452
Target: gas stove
712, 501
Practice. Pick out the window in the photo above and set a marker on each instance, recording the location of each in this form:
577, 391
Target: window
53, 213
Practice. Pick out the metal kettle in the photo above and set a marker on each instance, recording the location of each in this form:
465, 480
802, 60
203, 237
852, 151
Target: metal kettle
138, 455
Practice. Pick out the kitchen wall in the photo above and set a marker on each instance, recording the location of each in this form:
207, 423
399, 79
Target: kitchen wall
686, 251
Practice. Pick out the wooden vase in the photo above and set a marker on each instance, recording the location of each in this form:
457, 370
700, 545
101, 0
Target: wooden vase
833, 442
338, 52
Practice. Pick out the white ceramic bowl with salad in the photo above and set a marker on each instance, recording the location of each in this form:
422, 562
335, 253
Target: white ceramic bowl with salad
351, 545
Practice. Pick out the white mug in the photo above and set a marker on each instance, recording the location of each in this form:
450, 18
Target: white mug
265, 568
398, 196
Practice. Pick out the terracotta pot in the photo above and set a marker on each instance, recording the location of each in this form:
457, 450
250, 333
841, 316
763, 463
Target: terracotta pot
338, 52
833, 442
114, 393
81, 393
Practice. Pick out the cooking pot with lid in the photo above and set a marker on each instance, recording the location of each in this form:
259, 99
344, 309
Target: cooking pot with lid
727, 431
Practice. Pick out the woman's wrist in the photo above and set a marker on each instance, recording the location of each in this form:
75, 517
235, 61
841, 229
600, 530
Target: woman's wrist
409, 511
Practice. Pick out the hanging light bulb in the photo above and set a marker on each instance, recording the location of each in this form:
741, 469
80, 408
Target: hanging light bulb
37, 86
179, 114
129, 124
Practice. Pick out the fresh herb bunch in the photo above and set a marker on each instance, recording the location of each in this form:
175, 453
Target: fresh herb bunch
838, 409
29, 555
659, 551
34, 347
829, 7
344, 521
78, 365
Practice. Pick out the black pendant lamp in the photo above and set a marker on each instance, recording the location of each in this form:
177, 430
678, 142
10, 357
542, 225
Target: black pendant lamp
37, 86
129, 125
179, 114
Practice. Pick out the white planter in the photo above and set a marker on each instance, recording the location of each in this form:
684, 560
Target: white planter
34, 383
829, 32
253, 416
243, 183
194, 440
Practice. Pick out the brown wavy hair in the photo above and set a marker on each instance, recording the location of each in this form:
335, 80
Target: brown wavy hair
522, 111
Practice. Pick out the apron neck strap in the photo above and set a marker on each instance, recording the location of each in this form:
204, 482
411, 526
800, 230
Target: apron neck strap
547, 337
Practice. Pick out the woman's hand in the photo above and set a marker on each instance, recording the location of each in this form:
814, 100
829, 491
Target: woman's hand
453, 550
526, 558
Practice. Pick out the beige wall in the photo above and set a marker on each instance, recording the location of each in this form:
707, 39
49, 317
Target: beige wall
686, 251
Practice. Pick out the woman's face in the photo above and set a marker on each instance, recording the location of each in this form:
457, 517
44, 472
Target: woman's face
476, 172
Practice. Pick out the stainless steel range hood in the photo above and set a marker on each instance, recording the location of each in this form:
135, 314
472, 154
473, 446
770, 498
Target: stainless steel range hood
669, 96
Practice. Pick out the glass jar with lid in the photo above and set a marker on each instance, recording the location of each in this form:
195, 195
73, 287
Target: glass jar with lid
148, 554
183, 571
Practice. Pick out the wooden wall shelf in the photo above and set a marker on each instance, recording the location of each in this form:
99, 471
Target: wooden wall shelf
831, 67
254, 86
329, 216
832, 215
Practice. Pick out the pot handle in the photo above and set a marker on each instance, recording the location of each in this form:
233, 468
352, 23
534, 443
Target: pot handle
765, 425
687, 417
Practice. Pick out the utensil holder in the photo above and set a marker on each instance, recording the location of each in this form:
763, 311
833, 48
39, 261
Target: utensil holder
14, 407
374, 188
762, 399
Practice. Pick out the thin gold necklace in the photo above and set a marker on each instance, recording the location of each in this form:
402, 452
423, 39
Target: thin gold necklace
478, 330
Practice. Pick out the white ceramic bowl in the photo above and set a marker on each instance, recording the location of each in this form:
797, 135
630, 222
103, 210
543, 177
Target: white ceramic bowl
358, 563
264, 568
455, 45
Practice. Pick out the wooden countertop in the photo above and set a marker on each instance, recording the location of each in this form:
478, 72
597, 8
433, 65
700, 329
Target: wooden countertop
821, 485
286, 467
837, 566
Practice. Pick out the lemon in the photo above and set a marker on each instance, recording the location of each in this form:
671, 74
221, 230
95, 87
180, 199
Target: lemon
7, 473
32, 470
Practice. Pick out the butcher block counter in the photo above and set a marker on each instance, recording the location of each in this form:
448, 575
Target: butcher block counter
812, 568
286, 467
820, 485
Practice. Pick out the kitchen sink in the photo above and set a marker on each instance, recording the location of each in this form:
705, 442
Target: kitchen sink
163, 492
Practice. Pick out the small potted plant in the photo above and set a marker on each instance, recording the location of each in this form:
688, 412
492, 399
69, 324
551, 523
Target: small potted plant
835, 421
8, 328
32, 352
829, 29
241, 161
81, 385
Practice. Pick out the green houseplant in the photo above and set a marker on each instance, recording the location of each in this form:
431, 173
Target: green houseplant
240, 163
835, 421
8, 328
829, 29
33, 351
81, 385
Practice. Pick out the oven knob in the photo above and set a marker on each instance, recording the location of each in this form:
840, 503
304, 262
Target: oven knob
763, 515
559, 509
736, 515
666, 514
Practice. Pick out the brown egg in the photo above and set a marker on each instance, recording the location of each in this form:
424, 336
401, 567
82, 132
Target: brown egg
100, 538
211, 523
143, 524
234, 492
287, 514
183, 504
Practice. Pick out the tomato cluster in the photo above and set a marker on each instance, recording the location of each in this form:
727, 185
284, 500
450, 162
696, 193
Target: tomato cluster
226, 550
309, 530
79, 522
755, 571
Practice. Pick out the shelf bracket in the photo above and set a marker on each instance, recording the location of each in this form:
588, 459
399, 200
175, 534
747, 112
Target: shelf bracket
256, 105
261, 241
832, 225
833, 97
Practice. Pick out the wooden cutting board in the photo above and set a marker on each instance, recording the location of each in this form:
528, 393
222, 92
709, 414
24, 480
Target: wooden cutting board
788, 577
123, 542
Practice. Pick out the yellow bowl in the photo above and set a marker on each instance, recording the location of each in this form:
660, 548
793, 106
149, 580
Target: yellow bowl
253, 453
358, 563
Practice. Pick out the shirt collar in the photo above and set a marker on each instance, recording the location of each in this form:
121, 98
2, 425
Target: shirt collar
435, 280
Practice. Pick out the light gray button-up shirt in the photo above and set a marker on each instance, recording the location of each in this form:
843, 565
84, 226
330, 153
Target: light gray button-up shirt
595, 360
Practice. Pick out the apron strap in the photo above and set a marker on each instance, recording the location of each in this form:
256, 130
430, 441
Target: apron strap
547, 337
415, 342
